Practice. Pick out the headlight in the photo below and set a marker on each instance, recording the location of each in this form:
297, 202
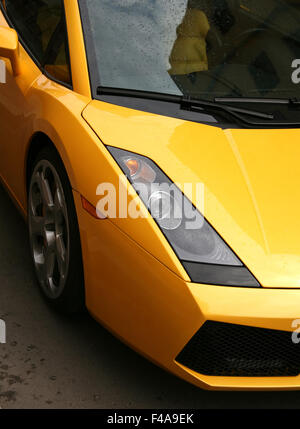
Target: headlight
203, 253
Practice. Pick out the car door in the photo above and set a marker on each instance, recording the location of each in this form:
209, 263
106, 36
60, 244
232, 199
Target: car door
43, 49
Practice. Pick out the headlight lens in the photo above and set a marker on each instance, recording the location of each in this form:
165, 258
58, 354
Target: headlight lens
202, 251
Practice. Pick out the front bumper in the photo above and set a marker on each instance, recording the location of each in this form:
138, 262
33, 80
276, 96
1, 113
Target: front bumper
157, 313
263, 308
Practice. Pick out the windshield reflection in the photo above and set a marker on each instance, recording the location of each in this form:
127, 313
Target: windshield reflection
201, 48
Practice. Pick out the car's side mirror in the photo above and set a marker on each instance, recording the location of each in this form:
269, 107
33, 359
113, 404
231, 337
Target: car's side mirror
9, 47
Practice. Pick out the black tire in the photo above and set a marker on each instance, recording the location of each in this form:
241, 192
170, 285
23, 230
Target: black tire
70, 297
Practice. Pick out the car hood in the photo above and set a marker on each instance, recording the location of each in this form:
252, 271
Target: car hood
251, 180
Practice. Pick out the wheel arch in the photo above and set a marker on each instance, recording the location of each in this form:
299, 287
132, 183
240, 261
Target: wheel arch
38, 141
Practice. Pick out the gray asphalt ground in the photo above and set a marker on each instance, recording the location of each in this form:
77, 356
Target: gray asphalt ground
50, 361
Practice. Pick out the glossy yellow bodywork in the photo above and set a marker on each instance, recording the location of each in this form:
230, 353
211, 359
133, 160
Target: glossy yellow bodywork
135, 285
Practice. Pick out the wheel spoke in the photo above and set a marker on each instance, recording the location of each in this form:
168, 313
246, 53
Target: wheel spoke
45, 190
61, 254
59, 208
49, 263
39, 261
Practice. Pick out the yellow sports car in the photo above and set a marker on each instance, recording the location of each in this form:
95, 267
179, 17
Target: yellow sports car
154, 149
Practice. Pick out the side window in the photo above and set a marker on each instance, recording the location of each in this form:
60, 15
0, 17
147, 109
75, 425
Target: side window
42, 26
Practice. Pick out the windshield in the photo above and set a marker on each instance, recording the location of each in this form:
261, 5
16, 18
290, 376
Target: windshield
198, 48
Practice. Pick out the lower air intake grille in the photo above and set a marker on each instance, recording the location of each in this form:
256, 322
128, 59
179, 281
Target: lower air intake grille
223, 349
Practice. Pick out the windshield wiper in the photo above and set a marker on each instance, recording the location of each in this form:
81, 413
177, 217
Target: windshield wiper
187, 103
289, 101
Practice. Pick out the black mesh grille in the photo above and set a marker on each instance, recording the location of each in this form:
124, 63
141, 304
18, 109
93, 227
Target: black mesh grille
223, 349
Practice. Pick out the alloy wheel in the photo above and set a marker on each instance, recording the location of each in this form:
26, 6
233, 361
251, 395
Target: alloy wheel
49, 229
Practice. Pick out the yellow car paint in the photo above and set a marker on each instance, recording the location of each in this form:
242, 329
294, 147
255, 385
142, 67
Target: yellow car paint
249, 193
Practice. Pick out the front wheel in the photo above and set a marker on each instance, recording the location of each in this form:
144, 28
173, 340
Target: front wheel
54, 233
